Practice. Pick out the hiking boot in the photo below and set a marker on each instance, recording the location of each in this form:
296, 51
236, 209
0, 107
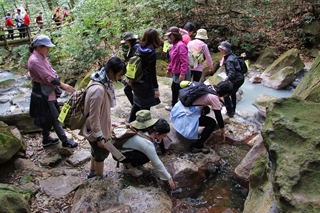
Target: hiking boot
197, 150
133, 171
49, 141
70, 143
168, 108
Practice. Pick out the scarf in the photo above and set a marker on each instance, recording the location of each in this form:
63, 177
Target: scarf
102, 77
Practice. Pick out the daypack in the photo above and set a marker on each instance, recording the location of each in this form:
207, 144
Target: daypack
192, 92
122, 133
134, 68
195, 58
72, 112
242, 63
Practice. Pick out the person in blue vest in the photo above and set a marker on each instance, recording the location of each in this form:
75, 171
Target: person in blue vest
131, 41
186, 120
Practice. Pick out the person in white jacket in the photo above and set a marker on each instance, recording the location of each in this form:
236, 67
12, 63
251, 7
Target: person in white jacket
198, 46
139, 150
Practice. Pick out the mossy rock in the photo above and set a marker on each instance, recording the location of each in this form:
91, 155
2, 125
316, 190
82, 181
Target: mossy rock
14, 199
309, 87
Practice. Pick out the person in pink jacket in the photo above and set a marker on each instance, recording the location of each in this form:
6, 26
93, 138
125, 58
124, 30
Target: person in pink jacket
178, 66
198, 46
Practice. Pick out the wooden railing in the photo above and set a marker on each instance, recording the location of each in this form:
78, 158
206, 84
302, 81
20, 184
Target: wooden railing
30, 32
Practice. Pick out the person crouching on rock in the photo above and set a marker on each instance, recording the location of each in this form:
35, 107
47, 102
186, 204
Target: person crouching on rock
143, 149
186, 120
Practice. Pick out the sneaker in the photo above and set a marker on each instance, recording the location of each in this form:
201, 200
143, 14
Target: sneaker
230, 114
70, 143
168, 108
133, 171
94, 174
50, 141
197, 150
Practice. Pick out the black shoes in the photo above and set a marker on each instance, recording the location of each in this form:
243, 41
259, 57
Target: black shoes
70, 144
203, 150
49, 141
230, 114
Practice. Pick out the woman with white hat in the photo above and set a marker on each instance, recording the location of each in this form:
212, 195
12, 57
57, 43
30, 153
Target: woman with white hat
198, 46
45, 91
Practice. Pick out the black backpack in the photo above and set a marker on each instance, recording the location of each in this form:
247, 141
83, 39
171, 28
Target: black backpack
192, 92
242, 63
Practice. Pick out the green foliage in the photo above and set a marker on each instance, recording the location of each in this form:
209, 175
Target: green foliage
4, 137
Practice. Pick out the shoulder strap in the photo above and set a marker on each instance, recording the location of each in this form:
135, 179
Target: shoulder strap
139, 133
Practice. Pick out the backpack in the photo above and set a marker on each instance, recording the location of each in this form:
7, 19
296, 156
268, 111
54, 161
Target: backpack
134, 68
54, 17
192, 92
122, 133
195, 58
72, 112
242, 63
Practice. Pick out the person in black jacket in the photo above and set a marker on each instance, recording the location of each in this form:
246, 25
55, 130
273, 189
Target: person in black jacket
146, 91
131, 41
234, 75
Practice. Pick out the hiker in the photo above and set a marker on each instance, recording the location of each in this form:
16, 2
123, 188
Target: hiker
231, 64
186, 120
188, 29
46, 86
26, 23
178, 66
65, 13
131, 41
139, 150
56, 16
19, 23
198, 45
146, 91
98, 102
39, 20
9, 25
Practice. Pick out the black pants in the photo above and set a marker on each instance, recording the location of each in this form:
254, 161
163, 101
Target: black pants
10, 34
57, 126
133, 112
196, 75
135, 157
175, 87
209, 124
128, 91
231, 101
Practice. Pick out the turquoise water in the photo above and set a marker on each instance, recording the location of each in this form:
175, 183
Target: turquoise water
252, 91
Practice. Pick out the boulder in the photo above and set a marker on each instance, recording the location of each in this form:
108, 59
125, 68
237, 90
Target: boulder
290, 58
9, 145
22, 121
309, 87
262, 102
265, 59
280, 79
290, 135
243, 169
14, 199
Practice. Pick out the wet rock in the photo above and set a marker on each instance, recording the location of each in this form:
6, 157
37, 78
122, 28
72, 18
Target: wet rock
280, 79
51, 160
22, 121
80, 158
147, 199
59, 186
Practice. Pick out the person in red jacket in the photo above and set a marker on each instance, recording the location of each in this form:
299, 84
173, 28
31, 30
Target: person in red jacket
26, 23
9, 25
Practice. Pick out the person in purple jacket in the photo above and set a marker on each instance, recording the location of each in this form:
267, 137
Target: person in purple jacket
178, 66
45, 91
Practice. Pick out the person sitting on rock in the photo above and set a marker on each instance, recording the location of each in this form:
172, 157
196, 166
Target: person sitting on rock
142, 150
186, 120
